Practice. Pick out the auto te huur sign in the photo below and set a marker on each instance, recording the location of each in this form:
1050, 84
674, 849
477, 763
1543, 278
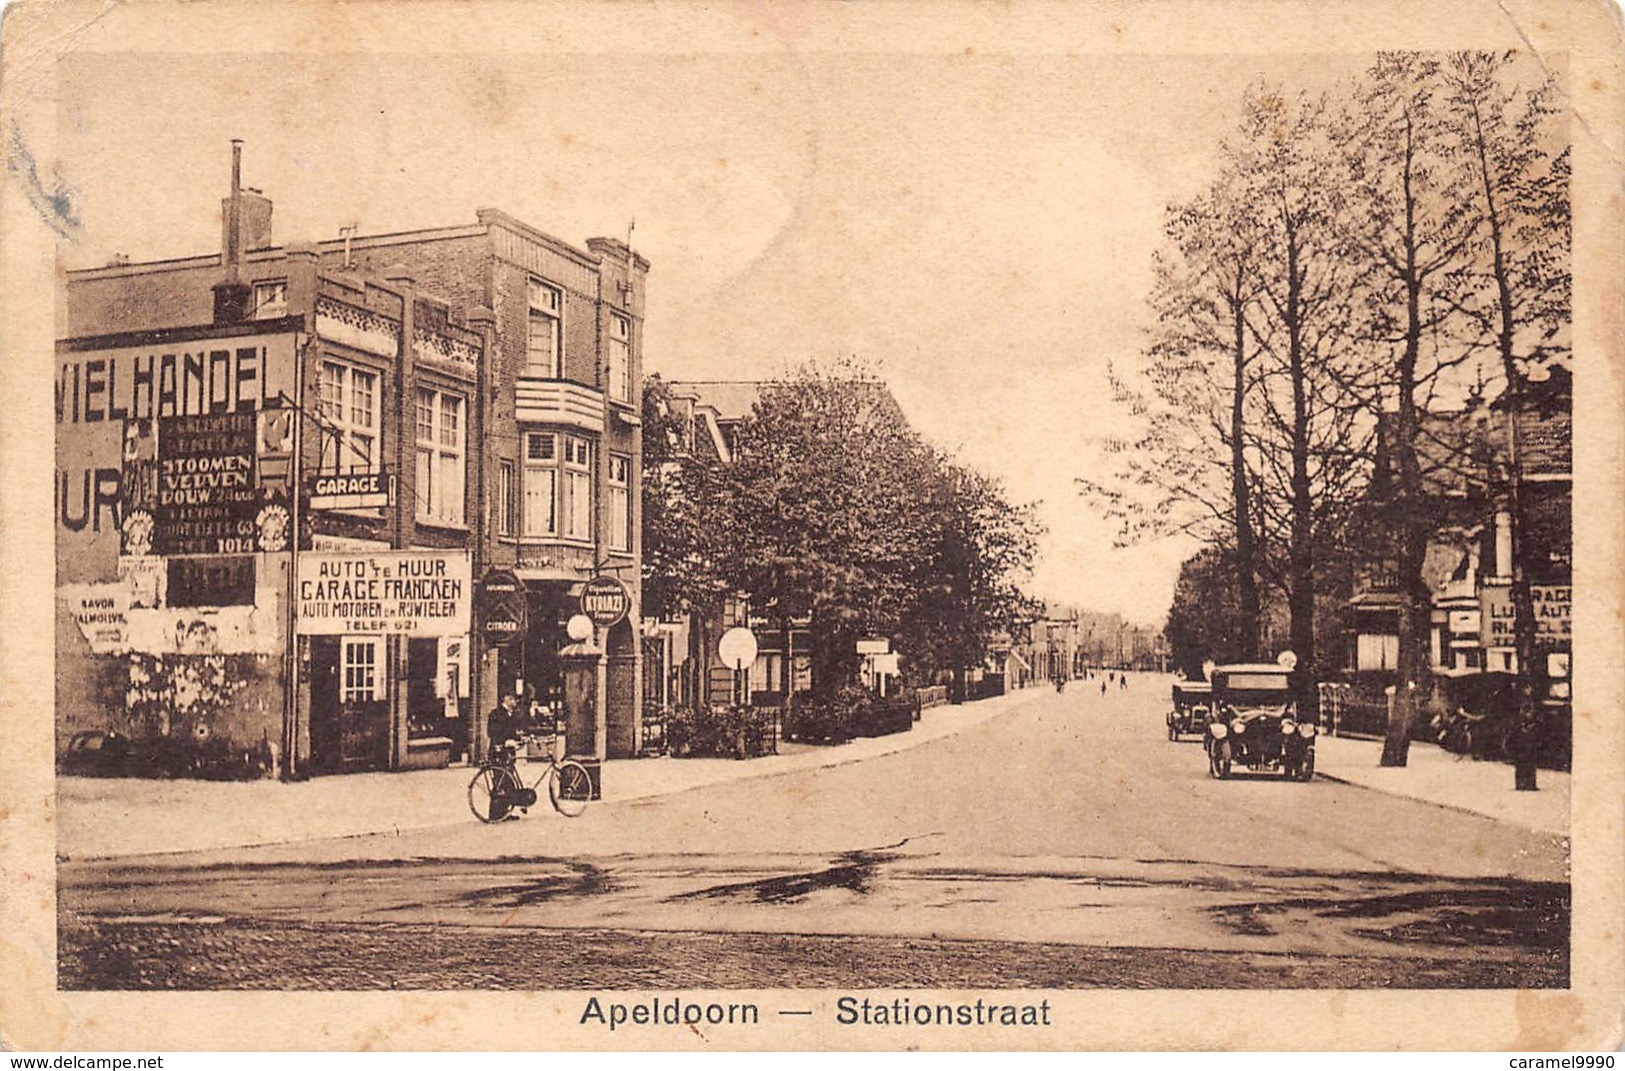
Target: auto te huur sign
399, 592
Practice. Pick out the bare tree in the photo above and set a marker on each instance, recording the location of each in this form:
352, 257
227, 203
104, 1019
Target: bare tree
1408, 231
1515, 293
1188, 470
1306, 441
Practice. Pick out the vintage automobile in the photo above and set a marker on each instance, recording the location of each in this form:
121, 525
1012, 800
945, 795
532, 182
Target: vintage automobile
1192, 701
1253, 723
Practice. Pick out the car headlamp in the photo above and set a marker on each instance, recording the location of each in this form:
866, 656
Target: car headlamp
1217, 730
1306, 731
1287, 726
1238, 726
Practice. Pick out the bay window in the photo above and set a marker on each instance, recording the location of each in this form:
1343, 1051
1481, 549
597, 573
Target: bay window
557, 486
541, 495
577, 488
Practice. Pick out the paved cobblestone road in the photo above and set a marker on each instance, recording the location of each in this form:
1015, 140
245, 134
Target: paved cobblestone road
1064, 844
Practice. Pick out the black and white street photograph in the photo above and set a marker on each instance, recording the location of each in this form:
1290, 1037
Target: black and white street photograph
817, 525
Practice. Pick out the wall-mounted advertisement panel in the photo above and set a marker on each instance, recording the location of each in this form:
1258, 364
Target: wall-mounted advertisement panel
156, 445
397, 592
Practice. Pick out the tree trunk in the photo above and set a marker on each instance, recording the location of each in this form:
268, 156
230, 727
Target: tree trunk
1413, 513
1246, 574
1301, 551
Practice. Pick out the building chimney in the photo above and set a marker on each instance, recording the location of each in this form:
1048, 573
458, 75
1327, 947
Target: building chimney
254, 220
233, 299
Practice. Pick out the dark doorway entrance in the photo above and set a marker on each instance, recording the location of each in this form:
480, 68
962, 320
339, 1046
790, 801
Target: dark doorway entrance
349, 704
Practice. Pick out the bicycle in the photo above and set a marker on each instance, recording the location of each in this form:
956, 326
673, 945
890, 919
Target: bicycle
497, 790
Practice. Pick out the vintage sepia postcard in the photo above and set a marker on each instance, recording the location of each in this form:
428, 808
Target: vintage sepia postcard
749, 526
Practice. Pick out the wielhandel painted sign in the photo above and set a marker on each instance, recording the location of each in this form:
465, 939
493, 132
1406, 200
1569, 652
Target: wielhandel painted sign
405, 593
119, 489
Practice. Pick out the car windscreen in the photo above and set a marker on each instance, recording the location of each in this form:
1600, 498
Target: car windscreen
1264, 682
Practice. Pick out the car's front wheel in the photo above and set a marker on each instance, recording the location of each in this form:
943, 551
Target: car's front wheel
1219, 758
1306, 768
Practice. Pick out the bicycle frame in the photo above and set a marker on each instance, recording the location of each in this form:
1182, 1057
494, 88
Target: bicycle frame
568, 785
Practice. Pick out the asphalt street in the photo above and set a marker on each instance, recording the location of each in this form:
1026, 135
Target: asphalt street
1066, 843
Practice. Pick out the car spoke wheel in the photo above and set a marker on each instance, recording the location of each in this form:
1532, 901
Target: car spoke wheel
1222, 755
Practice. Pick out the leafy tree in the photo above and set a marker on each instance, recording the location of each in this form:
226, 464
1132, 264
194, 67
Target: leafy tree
827, 514
1205, 621
1188, 470
1307, 440
682, 511
967, 588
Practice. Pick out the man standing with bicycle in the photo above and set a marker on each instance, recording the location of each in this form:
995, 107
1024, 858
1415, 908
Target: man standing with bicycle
503, 723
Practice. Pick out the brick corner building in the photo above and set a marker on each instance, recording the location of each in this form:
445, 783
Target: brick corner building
451, 400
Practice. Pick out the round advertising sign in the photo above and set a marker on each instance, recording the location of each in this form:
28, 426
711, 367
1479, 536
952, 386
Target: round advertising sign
500, 603
737, 648
605, 600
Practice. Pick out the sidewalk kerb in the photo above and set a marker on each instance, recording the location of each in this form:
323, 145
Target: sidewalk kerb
746, 770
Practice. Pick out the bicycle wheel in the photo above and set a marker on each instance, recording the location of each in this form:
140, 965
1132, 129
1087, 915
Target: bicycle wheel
569, 786
490, 792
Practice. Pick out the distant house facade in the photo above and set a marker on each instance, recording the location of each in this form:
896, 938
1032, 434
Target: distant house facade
1469, 561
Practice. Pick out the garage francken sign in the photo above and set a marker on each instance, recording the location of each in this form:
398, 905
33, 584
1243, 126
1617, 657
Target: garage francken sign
401, 592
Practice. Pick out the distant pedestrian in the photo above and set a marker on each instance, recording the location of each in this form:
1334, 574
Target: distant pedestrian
1122, 680
1102, 687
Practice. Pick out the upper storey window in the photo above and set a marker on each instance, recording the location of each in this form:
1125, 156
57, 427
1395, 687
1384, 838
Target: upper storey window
620, 358
544, 352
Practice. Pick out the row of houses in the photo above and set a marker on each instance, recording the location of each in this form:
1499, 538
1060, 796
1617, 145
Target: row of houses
320, 505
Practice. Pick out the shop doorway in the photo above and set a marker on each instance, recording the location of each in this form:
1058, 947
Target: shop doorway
349, 704
532, 664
